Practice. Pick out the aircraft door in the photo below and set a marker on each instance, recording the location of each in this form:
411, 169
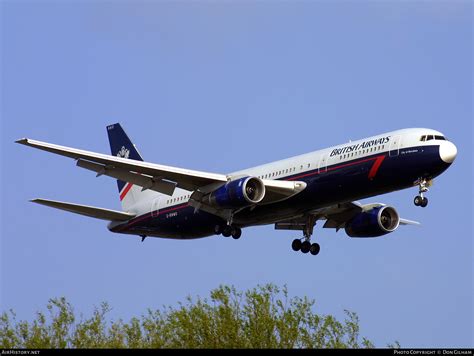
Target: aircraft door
394, 146
323, 163
155, 206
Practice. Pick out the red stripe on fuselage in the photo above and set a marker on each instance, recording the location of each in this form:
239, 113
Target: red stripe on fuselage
125, 191
375, 167
173, 208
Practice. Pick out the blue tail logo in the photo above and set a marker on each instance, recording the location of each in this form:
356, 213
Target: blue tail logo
123, 153
121, 146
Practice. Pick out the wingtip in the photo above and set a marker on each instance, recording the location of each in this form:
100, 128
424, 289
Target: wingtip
23, 141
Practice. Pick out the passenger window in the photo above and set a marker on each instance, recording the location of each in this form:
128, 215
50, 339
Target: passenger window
309, 165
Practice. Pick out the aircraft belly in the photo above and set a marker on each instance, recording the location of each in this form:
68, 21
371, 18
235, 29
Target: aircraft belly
181, 224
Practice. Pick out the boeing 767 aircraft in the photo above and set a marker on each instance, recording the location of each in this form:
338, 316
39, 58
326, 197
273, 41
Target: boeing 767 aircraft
292, 194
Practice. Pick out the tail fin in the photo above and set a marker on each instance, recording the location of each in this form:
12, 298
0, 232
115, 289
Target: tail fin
122, 146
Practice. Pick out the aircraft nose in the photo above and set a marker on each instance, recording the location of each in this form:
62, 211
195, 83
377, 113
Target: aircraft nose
447, 151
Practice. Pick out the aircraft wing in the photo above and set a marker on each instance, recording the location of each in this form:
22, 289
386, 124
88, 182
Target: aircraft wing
147, 175
163, 179
336, 216
90, 211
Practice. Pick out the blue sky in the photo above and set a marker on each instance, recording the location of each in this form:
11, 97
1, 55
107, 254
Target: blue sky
220, 87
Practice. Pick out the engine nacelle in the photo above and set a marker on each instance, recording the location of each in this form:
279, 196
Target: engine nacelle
238, 193
372, 223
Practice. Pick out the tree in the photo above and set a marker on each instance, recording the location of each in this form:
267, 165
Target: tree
262, 317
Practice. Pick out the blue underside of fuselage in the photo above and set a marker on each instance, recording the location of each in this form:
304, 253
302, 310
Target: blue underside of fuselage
339, 182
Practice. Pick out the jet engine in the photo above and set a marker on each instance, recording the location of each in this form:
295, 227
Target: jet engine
376, 222
238, 193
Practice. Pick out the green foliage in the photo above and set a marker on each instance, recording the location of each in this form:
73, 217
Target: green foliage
263, 317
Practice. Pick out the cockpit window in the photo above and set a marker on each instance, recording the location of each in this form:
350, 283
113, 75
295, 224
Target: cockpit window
432, 137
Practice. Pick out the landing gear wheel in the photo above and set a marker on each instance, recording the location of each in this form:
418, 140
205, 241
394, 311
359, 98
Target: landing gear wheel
296, 245
314, 249
236, 233
305, 247
227, 231
418, 200
218, 229
424, 202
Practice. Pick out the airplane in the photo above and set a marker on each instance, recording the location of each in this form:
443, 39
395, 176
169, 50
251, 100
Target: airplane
292, 194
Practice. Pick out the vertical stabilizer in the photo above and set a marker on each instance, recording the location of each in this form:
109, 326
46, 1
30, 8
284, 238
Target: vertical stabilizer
122, 146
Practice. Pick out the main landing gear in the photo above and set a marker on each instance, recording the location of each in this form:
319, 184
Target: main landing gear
228, 230
304, 244
421, 200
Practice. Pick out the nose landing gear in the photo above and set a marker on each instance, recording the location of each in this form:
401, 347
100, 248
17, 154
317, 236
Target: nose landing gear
421, 200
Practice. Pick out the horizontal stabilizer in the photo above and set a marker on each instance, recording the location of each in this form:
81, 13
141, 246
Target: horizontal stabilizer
90, 211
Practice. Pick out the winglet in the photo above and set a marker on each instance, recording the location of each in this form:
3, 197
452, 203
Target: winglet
23, 141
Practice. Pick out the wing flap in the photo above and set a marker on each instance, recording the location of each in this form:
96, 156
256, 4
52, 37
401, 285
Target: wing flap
145, 181
90, 211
